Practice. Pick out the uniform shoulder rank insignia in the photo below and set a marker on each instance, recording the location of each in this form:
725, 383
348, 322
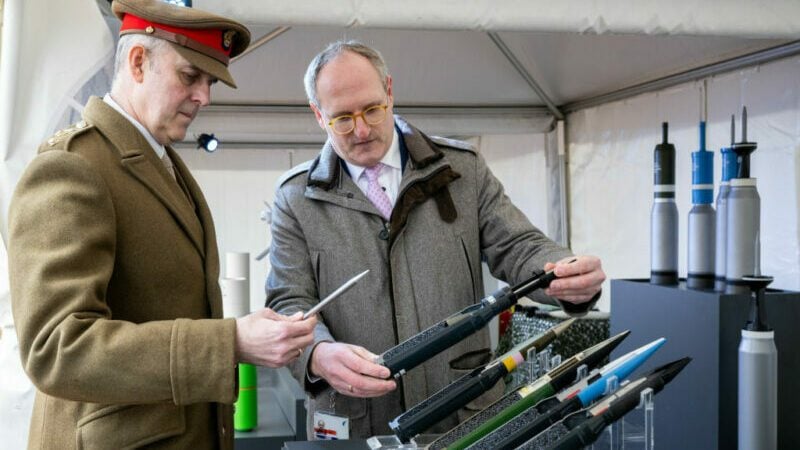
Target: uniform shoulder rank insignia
227, 39
63, 134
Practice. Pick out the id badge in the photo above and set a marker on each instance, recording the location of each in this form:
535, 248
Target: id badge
330, 427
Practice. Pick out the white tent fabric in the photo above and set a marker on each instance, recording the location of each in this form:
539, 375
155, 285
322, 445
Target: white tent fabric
46, 58
16, 391
751, 18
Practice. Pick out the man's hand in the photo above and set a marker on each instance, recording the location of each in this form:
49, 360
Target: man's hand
350, 370
577, 281
266, 338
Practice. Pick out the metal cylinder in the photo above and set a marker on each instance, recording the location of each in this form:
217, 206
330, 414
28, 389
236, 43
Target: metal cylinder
758, 391
743, 225
721, 237
702, 222
664, 242
730, 167
237, 265
664, 216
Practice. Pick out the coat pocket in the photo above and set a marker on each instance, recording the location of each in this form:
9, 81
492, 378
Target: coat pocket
466, 363
129, 426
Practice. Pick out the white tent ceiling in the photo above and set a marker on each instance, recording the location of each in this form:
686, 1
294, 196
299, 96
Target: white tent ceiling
467, 68
750, 18
448, 64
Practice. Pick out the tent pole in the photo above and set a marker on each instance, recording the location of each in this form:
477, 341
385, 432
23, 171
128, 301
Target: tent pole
563, 182
563, 178
261, 41
525, 75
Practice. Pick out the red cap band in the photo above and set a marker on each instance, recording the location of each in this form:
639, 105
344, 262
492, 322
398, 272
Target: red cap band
206, 37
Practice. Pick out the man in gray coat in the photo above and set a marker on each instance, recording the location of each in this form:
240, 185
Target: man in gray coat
419, 212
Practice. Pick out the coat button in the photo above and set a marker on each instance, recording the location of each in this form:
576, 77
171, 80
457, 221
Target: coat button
383, 235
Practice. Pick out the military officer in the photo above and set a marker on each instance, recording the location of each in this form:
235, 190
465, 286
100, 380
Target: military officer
113, 258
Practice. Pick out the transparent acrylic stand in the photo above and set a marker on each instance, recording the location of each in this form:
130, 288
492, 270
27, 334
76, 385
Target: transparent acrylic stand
582, 372
389, 442
529, 370
615, 430
630, 433
535, 365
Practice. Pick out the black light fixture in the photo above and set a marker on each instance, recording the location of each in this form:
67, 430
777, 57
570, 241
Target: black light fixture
208, 142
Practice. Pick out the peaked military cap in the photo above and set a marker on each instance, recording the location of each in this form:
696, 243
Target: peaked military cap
206, 40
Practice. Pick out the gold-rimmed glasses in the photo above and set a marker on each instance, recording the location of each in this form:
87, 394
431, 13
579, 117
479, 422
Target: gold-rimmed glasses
346, 123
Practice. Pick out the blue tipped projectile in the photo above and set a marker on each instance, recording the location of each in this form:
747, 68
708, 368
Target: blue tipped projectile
631, 362
702, 219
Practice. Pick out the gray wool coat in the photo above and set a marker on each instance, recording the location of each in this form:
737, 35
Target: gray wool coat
425, 264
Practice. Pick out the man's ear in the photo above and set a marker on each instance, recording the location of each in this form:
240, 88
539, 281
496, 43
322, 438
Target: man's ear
390, 100
318, 116
137, 58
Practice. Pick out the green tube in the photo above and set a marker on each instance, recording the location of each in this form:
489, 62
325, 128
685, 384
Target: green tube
245, 416
531, 395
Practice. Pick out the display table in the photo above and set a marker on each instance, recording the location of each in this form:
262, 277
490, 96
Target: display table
698, 410
281, 412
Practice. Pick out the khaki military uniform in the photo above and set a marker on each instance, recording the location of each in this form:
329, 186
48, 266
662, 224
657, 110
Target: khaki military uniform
113, 267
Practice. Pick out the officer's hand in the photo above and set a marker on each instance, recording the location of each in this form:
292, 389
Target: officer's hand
266, 338
350, 370
577, 281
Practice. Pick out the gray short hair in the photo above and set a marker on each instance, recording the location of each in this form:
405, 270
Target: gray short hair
152, 46
335, 49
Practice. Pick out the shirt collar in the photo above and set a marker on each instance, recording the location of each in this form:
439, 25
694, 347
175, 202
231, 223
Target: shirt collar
158, 148
391, 158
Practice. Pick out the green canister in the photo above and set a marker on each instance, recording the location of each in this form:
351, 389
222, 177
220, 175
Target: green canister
245, 417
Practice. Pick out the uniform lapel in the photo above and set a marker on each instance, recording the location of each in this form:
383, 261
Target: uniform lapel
206, 222
143, 164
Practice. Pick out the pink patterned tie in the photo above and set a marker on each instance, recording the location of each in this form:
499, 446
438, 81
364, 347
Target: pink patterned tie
375, 193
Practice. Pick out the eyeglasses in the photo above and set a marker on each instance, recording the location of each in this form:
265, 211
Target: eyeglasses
346, 123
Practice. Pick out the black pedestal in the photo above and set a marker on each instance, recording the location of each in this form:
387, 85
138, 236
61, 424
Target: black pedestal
698, 409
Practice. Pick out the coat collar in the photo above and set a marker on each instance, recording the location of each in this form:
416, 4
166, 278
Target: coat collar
142, 163
426, 175
326, 170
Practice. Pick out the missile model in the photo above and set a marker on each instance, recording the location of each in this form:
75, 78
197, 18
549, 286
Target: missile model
549, 411
702, 220
744, 219
583, 428
469, 387
664, 215
730, 167
758, 374
434, 340
511, 405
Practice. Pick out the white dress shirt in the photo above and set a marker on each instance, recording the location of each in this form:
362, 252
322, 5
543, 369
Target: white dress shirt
158, 148
391, 174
